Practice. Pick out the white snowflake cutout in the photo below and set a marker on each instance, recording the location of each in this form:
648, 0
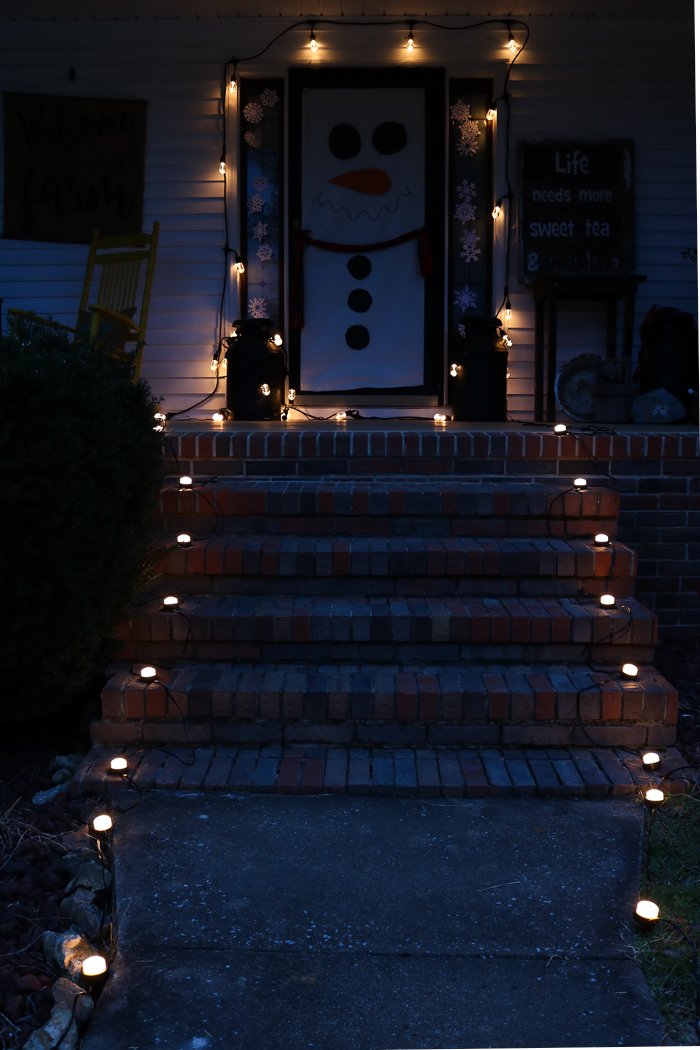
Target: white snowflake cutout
257, 307
269, 97
468, 145
460, 112
254, 138
253, 113
466, 190
471, 253
465, 299
260, 231
255, 203
264, 253
462, 331
260, 184
465, 212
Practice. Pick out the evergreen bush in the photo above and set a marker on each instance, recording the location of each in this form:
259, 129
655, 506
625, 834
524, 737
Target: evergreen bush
81, 470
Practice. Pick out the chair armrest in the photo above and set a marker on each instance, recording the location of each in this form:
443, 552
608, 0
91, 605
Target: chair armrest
114, 315
39, 320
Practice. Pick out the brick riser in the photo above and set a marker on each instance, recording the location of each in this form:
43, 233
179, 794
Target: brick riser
454, 706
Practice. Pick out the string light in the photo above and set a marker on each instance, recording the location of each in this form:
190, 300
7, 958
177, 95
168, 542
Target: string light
218, 417
102, 822
285, 414
232, 84
222, 164
160, 424
171, 602
118, 764
496, 211
313, 43
507, 373
511, 45
340, 416
292, 393
607, 599
410, 43
509, 310
654, 797
277, 339
147, 672
238, 266
490, 115
453, 370
601, 537
159, 415
646, 913
265, 389
507, 341
580, 483
651, 760
440, 417
560, 428
185, 480
629, 671
184, 538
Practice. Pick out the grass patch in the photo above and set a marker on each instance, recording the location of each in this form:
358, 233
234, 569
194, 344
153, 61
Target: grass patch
672, 880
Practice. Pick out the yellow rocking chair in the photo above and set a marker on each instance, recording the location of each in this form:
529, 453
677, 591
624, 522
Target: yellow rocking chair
110, 321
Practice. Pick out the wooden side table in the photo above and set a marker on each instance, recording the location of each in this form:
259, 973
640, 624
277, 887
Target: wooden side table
548, 291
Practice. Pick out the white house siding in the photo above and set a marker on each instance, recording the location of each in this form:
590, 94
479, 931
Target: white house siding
579, 78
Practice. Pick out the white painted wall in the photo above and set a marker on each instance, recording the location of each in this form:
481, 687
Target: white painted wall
579, 78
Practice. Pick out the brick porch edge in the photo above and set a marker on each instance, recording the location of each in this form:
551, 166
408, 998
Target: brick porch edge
596, 773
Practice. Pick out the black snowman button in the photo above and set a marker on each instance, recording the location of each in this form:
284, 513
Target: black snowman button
359, 300
357, 337
359, 267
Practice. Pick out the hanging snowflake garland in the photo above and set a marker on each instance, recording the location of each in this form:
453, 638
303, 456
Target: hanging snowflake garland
264, 253
460, 112
254, 138
462, 331
465, 212
255, 203
257, 307
470, 253
260, 184
269, 97
259, 231
253, 113
468, 129
465, 299
466, 191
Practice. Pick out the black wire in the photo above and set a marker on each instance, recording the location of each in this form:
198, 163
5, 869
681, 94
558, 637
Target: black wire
67, 1029
171, 415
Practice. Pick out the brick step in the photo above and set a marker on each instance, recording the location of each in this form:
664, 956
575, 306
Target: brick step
392, 772
384, 507
213, 627
364, 566
344, 704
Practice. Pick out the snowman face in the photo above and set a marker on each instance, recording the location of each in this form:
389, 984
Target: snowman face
363, 167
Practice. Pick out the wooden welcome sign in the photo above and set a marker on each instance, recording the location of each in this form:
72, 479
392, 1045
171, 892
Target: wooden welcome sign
72, 164
576, 208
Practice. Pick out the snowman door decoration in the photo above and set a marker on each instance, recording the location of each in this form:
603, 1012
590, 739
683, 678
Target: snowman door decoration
363, 250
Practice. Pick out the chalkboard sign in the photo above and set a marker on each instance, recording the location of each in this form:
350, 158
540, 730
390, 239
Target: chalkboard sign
576, 208
72, 164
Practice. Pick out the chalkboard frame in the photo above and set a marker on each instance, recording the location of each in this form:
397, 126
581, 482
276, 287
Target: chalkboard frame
625, 214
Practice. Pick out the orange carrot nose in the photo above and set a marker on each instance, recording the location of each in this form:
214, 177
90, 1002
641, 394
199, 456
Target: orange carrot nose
364, 180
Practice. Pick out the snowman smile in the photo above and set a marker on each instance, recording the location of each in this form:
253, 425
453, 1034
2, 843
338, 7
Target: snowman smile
372, 181
323, 201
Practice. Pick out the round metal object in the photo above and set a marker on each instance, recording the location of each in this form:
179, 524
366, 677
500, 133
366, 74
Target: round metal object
573, 387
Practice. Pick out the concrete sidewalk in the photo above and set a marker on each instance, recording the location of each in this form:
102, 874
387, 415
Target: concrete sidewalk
367, 923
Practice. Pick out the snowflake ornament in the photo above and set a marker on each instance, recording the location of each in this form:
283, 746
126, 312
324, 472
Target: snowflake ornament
468, 129
254, 138
260, 184
465, 212
253, 113
465, 299
255, 203
269, 97
257, 307
466, 190
462, 331
264, 253
260, 231
471, 253
460, 112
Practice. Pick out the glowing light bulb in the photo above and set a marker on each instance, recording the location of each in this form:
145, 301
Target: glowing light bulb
601, 537
118, 763
410, 43
159, 428
94, 966
654, 796
292, 393
629, 670
232, 84
507, 374
647, 910
313, 43
159, 415
103, 822
148, 672
238, 266
453, 370
496, 211
560, 428
650, 759
440, 417
580, 483
214, 364
222, 167
340, 416
607, 599
184, 538
509, 310
511, 45
265, 389
277, 339
507, 341
185, 479
171, 602
490, 115
218, 417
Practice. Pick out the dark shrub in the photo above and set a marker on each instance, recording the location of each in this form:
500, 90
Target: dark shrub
80, 466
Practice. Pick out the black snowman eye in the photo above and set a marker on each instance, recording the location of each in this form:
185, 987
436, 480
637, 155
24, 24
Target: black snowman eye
344, 141
389, 137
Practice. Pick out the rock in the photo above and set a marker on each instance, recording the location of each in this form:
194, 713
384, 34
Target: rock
81, 908
27, 984
77, 839
90, 876
67, 950
42, 797
46, 1037
61, 776
70, 863
48, 944
64, 992
657, 406
69, 762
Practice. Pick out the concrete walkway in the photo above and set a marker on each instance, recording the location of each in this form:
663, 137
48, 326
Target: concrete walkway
274, 923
